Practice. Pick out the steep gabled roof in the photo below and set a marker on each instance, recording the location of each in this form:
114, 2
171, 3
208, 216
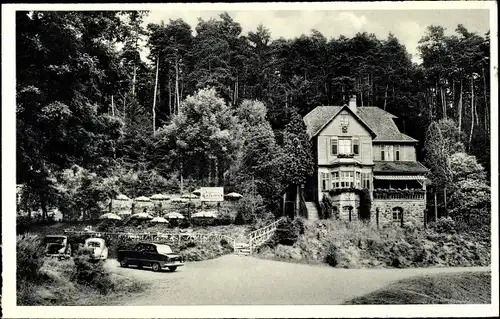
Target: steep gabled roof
378, 121
319, 117
383, 124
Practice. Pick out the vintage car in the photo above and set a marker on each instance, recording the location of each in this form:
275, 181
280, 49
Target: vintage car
57, 246
156, 256
98, 247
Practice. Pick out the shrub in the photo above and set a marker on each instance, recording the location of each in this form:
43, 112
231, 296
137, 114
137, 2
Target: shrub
92, 274
30, 254
185, 223
444, 225
286, 233
331, 257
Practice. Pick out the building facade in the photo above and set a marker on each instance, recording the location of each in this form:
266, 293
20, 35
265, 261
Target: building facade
360, 152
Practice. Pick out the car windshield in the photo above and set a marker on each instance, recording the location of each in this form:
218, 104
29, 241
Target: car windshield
54, 240
163, 249
93, 244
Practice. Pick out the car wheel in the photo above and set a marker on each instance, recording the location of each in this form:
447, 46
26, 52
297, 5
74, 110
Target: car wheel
124, 263
156, 267
172, 268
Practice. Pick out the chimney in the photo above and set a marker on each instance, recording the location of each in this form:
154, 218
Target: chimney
352, 103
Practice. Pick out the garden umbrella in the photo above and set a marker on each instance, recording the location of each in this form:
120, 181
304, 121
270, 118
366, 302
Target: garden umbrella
174, 215
189, 196
205, 214
160, 197
159, 220
122, 197
142, 199
234, 195
196, 192
141, 216
110, 216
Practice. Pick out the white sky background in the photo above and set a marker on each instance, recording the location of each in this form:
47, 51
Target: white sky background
408, 26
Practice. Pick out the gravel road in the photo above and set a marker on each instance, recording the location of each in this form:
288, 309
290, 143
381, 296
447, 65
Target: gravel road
244, 280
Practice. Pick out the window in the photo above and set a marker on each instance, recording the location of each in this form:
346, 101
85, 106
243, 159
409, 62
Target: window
389, 151
397, 213
346, 179
397, 152
382, 152
355, 145
358, 179
365, 180
344, 119
334, 145
335, 180
325, 181
345, 146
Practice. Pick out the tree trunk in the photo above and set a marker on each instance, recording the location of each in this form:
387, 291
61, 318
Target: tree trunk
486, 105
216, 177
178, 100
112, 107
170, 95
460, 106
471, 110
154, 97
133, 80
385, 96
43, 205
182, 180
443, 99
297, 200
445, 202
435, 205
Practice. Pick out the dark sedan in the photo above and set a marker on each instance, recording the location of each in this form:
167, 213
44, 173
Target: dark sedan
156, 256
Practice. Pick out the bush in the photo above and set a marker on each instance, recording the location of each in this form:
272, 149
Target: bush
92, 274
286, 234
332, 257
30, 253
444, 225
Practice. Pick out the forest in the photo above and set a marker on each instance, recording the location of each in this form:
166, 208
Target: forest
214, 106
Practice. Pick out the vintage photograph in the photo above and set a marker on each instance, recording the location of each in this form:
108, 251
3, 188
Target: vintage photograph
253, 157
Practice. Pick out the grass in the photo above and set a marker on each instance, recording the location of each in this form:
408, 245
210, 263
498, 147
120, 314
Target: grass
462, 288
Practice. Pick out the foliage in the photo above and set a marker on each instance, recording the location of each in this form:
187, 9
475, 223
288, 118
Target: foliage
436, 157
297, 151
465, 167
359, 245
30, 253
472, 198
444, 225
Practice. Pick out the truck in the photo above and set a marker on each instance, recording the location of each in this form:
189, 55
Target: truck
156, 256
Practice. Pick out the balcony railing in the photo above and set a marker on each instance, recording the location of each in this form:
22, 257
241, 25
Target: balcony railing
415, 194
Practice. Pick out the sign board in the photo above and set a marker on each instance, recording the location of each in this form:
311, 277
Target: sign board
212, 194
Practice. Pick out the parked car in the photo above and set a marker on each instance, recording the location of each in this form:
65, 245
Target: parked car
156, 256
57, 246
99, 249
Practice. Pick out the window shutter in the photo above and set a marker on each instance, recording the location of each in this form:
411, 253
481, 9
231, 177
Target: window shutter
355, 146
334, 144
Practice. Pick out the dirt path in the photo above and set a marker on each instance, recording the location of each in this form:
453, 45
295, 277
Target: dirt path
240, 280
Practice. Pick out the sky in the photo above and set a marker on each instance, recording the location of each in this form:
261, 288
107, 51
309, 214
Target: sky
407, 25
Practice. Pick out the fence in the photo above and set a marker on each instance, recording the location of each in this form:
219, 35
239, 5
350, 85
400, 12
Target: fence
260, 236
172, 238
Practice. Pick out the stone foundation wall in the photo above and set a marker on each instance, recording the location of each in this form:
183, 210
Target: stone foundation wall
345, 199
413, 211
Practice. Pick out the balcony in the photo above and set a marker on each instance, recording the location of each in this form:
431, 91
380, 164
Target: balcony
395, 194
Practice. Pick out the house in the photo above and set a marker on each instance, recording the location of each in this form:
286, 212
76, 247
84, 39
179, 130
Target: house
359, 152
